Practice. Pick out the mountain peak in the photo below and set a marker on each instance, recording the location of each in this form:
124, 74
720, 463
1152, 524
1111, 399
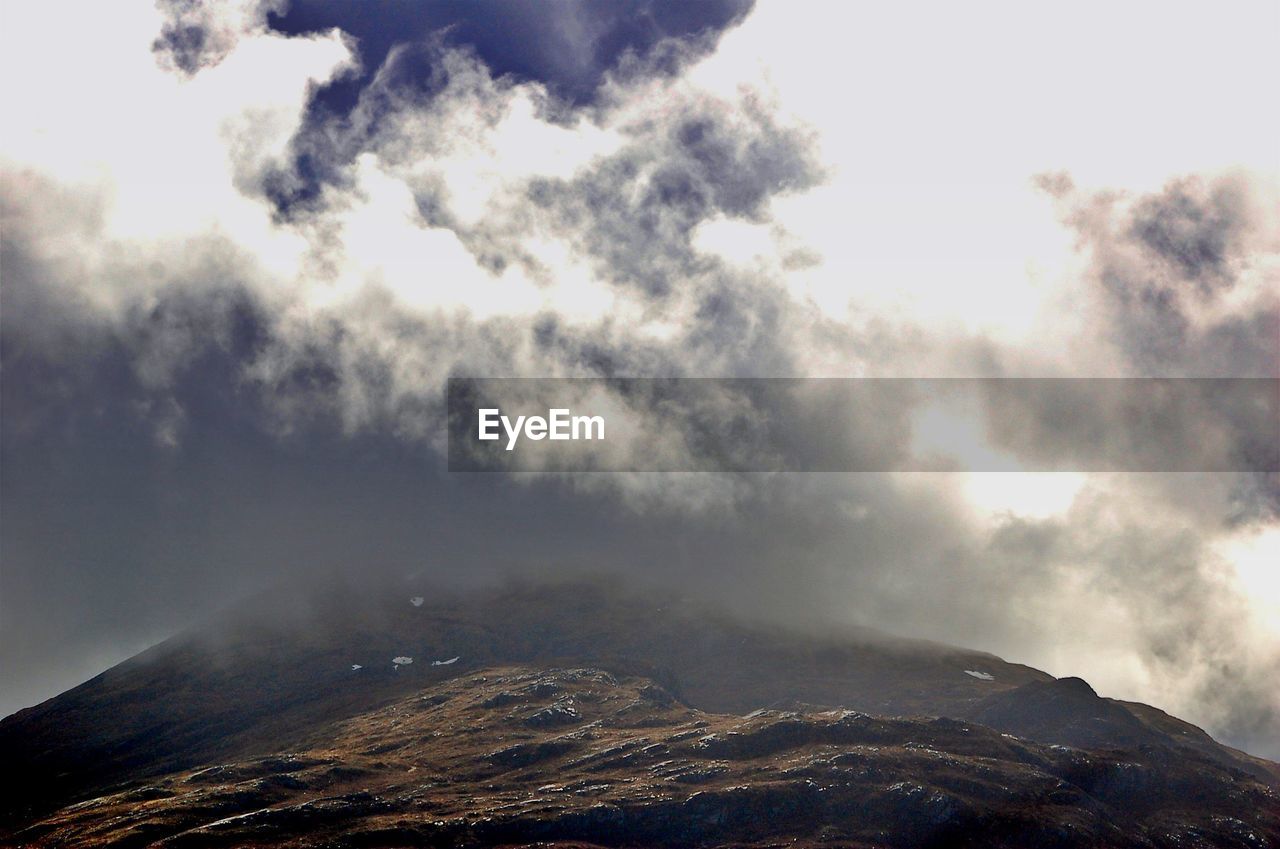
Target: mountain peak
347, 708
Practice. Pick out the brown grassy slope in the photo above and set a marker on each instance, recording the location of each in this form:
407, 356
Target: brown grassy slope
564, 757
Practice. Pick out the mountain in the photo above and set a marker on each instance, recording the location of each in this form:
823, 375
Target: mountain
589, 714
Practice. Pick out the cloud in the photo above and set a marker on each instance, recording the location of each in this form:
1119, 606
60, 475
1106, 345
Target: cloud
196, 35
1188, 275
232, 305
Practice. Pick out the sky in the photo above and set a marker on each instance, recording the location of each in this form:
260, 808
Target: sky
244, 246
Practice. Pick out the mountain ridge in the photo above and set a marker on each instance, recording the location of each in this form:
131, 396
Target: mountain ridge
281, 673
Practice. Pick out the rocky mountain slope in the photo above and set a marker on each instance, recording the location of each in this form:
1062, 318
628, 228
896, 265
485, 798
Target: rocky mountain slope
581, 714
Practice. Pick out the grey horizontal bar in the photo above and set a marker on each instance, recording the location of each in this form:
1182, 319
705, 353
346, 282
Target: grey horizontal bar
863, 424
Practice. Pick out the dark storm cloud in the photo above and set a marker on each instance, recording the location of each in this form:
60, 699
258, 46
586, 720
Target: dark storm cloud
568, 47
564, 44
111, 541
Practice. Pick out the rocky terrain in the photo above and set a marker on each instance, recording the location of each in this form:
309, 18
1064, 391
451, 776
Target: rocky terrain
584, 716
